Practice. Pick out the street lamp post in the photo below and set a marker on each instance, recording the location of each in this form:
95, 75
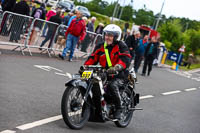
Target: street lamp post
121, 11
114, 11
159, 15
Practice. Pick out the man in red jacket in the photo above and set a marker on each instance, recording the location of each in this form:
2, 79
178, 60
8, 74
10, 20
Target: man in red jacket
76, 32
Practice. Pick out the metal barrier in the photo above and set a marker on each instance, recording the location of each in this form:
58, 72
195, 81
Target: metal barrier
59, 40
1, 15
35, 38
14, 28
26, 33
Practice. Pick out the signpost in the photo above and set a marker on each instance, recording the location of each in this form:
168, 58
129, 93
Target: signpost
181, 50
176, 57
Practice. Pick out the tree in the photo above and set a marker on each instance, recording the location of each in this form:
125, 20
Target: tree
127, 14
144, 17
171, 32
192, 41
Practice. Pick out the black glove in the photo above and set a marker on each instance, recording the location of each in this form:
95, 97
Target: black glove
81, 70
115, 69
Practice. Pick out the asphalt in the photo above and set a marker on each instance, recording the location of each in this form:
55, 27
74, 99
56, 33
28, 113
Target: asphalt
28, 94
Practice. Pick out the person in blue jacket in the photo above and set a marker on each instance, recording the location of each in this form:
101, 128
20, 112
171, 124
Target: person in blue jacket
139, 53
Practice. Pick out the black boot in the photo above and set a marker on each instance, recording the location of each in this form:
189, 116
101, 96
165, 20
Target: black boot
148, 73
118, 105
118, 112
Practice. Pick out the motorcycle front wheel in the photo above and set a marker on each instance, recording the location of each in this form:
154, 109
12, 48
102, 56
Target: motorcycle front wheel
74, 110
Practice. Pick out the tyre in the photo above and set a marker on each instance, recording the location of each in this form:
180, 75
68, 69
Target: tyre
126, 113
75, 113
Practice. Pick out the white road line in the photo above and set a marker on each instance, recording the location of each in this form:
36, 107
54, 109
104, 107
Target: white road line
145, 97
38, 123
66, 75
191, 89
8, 131
171, 92
61, 74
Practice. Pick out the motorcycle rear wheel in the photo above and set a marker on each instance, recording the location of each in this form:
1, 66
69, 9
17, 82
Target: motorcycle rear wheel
75, 113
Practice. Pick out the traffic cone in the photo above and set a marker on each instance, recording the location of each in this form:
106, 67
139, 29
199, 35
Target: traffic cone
173, 66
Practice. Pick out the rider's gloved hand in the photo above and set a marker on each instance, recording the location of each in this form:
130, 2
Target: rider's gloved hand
115, 69
81, 70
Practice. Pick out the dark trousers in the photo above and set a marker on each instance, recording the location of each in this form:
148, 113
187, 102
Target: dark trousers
113, 89
138, 60
85, 43
16, 28
48, 37
132, 52
148, 61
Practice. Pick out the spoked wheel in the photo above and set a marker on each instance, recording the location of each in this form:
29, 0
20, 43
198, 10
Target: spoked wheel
126, 114
75, 111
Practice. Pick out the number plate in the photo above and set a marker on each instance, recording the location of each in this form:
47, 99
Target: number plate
86, 74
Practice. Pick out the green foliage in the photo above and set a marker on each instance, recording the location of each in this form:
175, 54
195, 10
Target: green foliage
171, 32
144, 17
127, 13
167, 44
194, 43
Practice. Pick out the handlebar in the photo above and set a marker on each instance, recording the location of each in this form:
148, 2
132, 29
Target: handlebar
97, 68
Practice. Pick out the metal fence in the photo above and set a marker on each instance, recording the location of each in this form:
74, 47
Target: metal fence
25, 32
14, 29
1, 15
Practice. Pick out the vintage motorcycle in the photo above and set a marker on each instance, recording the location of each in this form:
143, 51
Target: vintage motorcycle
87, 98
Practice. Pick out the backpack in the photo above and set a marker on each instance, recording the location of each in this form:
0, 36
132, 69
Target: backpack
38, 13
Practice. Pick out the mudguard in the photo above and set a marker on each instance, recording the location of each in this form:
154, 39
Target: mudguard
77, 83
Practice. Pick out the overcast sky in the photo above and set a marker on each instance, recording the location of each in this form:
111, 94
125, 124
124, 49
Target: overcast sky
178, 8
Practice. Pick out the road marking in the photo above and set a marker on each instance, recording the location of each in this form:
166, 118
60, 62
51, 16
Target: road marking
191, 89
8, 131
171, 92
66, 75
145, 97
47, 68
38, 123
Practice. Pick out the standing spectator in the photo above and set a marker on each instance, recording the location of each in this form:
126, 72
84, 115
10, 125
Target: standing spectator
139, 53
76, 32
21, 8
40, 14
33, 7
128, 32
132, 42
99, 28
72, 17
66, 18
49, 14
85, 19
62, 14
52, 28
150, 54
190, 60
8, 5
89, 37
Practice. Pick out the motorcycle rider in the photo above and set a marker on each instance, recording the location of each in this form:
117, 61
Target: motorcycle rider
113, 55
